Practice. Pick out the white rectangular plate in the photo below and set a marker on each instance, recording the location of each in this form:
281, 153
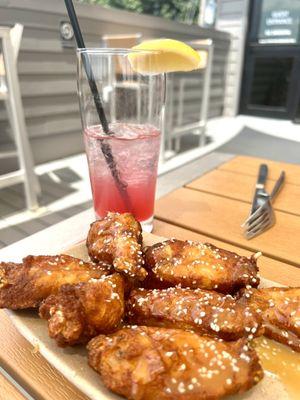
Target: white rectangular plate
72, 362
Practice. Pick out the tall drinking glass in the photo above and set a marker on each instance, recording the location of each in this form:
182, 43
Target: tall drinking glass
123, 161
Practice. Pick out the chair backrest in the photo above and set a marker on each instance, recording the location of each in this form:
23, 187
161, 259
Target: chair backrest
2, 68
202, 47
125, 41
15, 34
203, 58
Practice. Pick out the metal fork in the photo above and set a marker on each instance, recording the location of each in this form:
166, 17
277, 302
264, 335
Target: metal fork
264, 217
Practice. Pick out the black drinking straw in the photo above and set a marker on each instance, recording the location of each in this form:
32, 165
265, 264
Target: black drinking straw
105, 147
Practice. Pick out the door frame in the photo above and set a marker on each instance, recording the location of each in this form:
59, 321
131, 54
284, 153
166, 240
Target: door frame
254, 50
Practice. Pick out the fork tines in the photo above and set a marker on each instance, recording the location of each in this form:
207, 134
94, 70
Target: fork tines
261, 220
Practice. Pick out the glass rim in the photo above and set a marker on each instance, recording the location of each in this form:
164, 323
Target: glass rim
114, 51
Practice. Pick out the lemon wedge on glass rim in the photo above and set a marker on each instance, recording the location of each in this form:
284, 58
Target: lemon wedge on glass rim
163, 55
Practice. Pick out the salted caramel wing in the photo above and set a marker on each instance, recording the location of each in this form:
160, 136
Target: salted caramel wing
146, 363
80, 312
117, 239
26, 284
198, 265
279, 308
205, 312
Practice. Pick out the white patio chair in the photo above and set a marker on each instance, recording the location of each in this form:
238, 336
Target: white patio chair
10, 93
205, 48
123, 41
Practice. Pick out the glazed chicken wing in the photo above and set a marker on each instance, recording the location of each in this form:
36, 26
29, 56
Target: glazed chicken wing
80, 312
206, 312
146, 363
198, 265
280, 312
117, 239
25, 285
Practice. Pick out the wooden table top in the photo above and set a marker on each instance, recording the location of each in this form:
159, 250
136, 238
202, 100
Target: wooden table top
211, 208
217, 203
8, 390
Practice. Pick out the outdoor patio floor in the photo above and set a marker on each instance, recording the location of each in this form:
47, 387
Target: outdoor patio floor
66, 188
66, 192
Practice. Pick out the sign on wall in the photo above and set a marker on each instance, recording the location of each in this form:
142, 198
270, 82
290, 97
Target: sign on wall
279, 22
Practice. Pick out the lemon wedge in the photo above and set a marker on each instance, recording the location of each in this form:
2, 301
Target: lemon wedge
163, 55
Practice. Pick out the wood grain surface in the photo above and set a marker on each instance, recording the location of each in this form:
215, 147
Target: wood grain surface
30, 369
8, 391
271, 269
42, 381
241, 187
221, 218
249, 166
207, 210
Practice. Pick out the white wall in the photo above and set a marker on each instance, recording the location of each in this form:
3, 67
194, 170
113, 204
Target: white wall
233, 18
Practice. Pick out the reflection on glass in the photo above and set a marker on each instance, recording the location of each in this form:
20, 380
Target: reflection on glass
270, 82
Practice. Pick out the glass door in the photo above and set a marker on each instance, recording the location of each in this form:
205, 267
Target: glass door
272, 60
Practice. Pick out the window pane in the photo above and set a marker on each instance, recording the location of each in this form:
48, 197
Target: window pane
270, 81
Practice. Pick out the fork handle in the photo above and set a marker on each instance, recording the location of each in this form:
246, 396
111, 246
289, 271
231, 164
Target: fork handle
262, 176
278, 185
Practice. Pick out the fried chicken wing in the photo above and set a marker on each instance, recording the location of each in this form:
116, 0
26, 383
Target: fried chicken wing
280, 312
117, 239
205, 312
198, 265
25, 285
80, 312
146, 363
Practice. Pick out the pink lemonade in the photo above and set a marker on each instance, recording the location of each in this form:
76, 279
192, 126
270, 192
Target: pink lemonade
135, 148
